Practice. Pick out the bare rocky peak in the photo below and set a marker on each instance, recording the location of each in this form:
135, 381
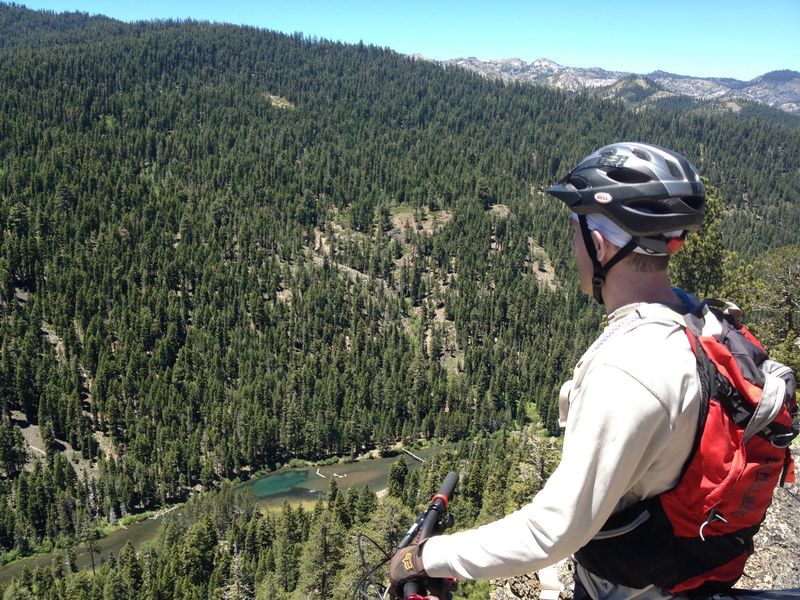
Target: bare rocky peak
778, 89
539, 71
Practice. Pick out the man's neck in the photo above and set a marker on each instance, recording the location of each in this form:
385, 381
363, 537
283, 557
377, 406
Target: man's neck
625, 286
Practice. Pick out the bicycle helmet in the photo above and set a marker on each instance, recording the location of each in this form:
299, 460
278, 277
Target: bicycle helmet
647, 190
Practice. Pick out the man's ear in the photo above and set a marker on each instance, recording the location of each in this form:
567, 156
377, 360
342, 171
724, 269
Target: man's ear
605, 249
600, 246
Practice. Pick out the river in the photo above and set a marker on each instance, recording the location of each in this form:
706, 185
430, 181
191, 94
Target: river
306, 484
295, 485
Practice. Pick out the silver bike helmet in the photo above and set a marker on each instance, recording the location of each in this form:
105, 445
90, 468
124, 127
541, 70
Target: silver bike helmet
645, 189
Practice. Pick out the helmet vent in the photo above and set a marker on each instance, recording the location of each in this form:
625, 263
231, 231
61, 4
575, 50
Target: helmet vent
579, 182
650, 208
638, 153
674, 169
694, 202
627, 176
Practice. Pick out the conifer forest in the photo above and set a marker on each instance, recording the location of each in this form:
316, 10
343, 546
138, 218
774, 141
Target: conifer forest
224, 250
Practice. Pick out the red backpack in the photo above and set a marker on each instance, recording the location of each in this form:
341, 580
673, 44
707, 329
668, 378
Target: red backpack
695, 538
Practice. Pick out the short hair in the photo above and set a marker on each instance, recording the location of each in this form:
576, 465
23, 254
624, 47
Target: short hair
645, 263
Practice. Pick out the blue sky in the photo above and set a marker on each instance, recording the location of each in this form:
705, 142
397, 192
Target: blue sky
731, 38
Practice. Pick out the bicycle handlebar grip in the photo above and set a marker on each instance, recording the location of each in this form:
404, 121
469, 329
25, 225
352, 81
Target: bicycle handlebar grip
410, 590
448, 485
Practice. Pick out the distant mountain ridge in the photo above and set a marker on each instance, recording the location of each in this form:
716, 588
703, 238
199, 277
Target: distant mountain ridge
777, 89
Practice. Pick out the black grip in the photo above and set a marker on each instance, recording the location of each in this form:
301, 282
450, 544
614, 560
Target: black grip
410, 588
448, 485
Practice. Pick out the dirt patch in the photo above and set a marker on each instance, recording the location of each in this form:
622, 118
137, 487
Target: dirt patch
32, 436
106, 445
733, 106
34, 444
278, 102
56, 342
322, 250
540, 266
452, 362
424, 220
321, 245
403, 220
500, 210
660, 95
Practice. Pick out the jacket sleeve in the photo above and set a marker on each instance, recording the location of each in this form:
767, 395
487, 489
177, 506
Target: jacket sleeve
615, 430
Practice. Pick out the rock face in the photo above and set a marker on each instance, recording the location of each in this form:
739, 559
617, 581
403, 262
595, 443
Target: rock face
776, 561
778, 89
774, 565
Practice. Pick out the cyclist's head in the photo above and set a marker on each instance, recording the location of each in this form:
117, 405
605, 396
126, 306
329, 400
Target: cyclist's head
641, 197
649, 192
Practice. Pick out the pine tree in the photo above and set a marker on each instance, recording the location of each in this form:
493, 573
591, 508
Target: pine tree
130, 570
366, 504
397, 477
775, 310
115, 587
322, 556
12, 449
197, 552
699, 266
386, 527
494, 495
286, 548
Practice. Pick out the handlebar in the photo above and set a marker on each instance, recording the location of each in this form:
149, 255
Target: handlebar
423, 526
432, 522
421, 529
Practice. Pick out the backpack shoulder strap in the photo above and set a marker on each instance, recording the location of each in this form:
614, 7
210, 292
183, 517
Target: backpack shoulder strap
707, 376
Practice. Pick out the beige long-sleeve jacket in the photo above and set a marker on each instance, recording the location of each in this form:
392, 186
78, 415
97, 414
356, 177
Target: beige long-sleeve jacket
632, 416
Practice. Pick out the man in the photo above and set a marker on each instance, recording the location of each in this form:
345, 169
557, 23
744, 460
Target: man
632, 406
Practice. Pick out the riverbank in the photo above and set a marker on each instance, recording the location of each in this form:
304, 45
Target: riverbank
103, 530
307, 484
137, 529
297, 484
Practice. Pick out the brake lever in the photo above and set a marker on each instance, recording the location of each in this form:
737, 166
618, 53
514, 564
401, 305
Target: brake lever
446, 522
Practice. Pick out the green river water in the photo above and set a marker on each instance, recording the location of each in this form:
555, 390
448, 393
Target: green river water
294, 485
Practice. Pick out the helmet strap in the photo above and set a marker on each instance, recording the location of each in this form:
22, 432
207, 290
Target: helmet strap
599, 270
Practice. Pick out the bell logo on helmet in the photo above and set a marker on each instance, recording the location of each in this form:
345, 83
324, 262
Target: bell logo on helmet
603, 197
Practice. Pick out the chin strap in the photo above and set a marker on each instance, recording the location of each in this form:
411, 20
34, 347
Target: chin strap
600, 271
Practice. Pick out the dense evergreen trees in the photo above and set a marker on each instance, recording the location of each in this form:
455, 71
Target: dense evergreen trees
222, 247
220, 546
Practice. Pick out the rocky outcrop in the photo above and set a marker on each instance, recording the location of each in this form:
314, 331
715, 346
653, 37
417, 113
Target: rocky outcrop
778, 89
776, 561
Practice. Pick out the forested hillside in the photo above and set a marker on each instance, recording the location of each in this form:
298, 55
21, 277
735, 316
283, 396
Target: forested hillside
224, 248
